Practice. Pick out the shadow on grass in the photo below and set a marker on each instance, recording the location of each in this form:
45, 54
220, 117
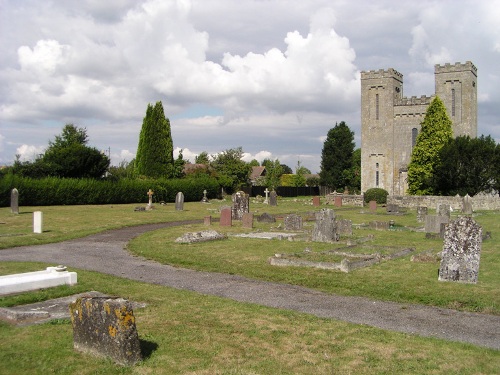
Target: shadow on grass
147, 348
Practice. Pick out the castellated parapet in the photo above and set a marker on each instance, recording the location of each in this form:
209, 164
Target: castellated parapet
391, 122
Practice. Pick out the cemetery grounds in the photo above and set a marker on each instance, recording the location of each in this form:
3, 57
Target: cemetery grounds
185, 332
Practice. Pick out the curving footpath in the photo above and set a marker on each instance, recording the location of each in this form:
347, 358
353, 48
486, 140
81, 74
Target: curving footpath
105, 252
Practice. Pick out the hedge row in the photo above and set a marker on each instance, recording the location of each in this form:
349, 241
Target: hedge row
64, 191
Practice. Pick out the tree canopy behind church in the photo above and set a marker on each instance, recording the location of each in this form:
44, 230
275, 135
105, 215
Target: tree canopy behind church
436, 131
337, 157
155, 152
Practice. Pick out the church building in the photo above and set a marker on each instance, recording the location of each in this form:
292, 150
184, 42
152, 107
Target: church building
390, 122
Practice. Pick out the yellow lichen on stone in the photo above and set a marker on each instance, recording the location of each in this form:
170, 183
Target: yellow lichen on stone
107, 308
112, 331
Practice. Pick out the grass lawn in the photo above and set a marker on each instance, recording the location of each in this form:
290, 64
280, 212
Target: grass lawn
186, 333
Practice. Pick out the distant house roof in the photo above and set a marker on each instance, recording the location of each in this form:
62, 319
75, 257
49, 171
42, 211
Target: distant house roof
257, 172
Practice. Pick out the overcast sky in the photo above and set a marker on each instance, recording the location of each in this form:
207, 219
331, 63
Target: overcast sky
271, 76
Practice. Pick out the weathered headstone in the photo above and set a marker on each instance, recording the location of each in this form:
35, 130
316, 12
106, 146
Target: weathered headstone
421, 213
14, 201
392, 208
179, 201
247, 220
273, 198
338, 201
207, 220
105, 327
316, 201
204, 199
225, 217
344, 227
373, 206
293, 222
325, 227
241, 205
433, 223
379, 225
443, 209
150, 194
467, 205
461, 251
38, 222
202, 236
266, 218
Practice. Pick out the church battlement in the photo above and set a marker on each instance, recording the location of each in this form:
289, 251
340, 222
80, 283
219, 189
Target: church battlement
424, 99
381, 73
455, 68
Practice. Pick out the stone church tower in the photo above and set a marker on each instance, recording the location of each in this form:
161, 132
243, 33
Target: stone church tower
390, 122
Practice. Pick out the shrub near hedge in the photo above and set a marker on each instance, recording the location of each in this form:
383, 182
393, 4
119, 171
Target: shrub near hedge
64, 191
376, 194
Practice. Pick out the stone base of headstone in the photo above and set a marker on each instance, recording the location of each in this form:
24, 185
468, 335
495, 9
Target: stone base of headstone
226, 219
461, 251
37, 222
207, 220
105, 327
247, 220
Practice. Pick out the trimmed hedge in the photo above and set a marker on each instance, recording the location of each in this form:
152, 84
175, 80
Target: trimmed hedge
376, 194
65, 191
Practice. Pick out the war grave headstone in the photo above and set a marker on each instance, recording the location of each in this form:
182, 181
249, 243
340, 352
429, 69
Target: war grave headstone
293, 222
247, 220
14, 201
226, 217
179, 201
105, 327
316, 201
373, 206
337, 201
421, 213
266, 218
241, 205
325, 227
467, 205
461, 251
273, 198
38, 222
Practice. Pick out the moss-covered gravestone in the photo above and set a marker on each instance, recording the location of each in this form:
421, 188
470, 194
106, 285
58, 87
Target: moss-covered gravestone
105, 327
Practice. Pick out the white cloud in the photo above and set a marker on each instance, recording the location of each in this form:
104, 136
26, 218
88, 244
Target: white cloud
29, 152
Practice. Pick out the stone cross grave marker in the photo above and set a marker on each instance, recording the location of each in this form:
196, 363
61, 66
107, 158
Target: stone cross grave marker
293, 222
461, 251
14, 201
325, 227
150, 195
179, 201
443, 209
266, 201
273, 198
241, 205
204, 199
105, 327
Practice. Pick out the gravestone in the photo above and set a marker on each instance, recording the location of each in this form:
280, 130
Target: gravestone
266, 218
373, 206
434, 223
247, 220
225, 217
207, 220
325, 227
105, 327
379, 225
273, 198
204, 199
202, 236
467, 205
150, 194
392, 208
421, 213
293, 222
344, 227
338, 201
38, 222
179, 201
241, 205
443, 209
316, 201
461, 251
266, 201
14, 201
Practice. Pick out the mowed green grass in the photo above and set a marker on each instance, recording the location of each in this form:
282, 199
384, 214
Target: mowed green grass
186, 333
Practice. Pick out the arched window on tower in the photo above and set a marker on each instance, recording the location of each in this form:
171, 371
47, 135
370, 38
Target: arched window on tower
453, 102
376, 107
414, 133
377, 176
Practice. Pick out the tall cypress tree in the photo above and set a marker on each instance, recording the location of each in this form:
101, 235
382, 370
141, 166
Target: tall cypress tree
336, 156
436, 131
155, 152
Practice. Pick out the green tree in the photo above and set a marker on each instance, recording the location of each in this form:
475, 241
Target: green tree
336, 156
254, 163
179, 165
70, 135
352, 176
436, 131
155, 152
274, 170
202, 158
232, 171
466, 166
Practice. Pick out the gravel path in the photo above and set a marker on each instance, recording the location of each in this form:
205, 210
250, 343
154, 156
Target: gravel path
105, 252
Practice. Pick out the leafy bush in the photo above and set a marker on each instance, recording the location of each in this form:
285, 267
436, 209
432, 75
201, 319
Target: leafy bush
376, 194
66, 191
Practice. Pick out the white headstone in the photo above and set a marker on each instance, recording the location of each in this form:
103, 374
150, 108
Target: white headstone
37, 222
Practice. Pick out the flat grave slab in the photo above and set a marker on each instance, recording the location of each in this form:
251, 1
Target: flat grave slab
266, 235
